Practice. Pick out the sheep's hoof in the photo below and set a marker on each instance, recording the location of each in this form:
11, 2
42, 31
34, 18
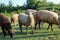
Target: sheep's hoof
52, 29
21, 31
47, 28
11, 36
40, 29
35, 29
26, 32
4, 36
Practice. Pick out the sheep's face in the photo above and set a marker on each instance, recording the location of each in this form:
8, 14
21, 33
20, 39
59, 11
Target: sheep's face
31, 13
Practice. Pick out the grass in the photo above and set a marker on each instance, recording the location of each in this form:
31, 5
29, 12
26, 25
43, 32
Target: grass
43, 34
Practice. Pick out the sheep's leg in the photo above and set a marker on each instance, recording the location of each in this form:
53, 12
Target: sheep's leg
48, 26
26, 29
11, 20
51, 27
39, 26
15, 24
21, 28
4, 32
35, 25
32, 29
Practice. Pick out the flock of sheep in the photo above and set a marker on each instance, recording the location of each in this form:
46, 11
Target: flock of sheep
34, 17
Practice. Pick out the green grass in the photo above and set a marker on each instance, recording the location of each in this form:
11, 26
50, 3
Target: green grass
42, 34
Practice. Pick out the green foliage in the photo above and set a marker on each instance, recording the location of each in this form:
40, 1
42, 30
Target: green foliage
31, 4
2, 7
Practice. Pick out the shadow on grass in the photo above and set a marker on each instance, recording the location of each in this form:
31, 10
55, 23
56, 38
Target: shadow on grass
19, 33
35, 35
30, 36
23, 28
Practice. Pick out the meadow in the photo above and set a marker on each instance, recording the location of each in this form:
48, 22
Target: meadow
42, 34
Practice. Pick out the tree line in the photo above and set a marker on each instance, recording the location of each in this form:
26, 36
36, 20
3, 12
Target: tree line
30, 4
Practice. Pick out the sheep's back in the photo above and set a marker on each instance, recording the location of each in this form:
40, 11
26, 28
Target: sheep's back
3, 19
15, 17
23, 19
47, 16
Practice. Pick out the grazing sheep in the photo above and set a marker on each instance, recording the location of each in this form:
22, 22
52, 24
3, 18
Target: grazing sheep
27, 20
5, 25
14, 19
34, 14
47, 16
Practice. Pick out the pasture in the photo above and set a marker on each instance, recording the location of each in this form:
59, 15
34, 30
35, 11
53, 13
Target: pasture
42, 34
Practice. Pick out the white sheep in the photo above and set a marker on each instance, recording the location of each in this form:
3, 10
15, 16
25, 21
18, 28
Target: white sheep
14, 19
34, 14
27, 20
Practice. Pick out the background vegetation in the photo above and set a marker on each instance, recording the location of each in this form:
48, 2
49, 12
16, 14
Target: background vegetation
30, 4
43, 34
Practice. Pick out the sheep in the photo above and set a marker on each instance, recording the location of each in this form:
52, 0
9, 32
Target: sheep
47, 16
14, 19
34, 14
27, 20
5, 25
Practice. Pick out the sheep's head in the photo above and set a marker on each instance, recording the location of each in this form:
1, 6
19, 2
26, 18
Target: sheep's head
31, 11
9, 29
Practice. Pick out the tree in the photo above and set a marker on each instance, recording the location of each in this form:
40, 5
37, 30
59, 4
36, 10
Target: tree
9, 8
41, 3
10, 3
2, 7
31, 4
34, 4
